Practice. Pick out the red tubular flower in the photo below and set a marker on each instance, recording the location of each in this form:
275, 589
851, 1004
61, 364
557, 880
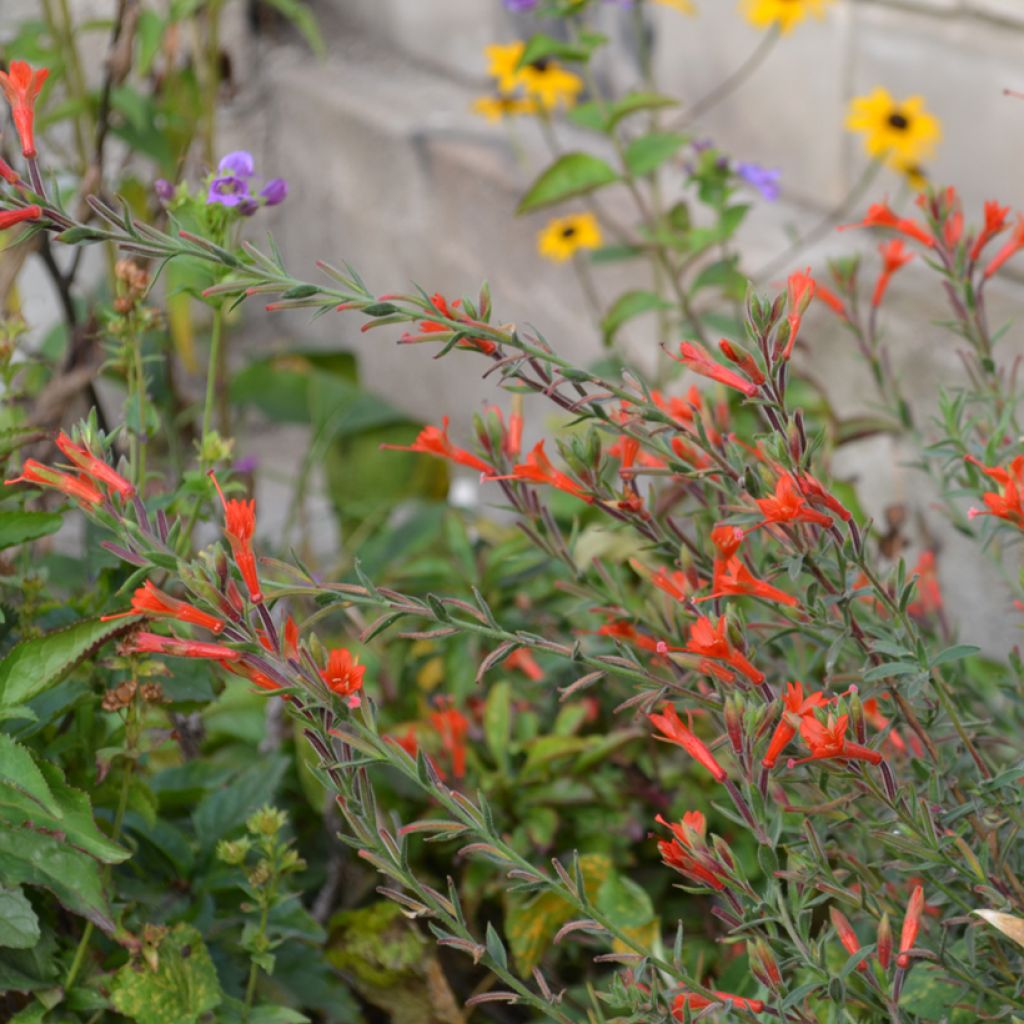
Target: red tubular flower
929, 593
8, 218
239, 525
787, 505
253, 675
911, 925
828, 740
847, 936
514, 437
995, 223
452, 726
883, 943
94, 467
800, 288
1009, 248
698, 1002
669, 723
1008, 502
794, 706
831, 300
79, 489
894, 256
437, 300
152, 643
743, 359
675, 584
21, 86
879, 722
816, 494
433, 441
710, 641
522, 658
733, 577
679, 853
344, 675
151, 601
9, 174
291, 639
697, 358
627, 632
538, 469
727, 539
880, 216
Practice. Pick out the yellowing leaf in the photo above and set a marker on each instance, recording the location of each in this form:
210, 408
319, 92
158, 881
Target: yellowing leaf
1012, 927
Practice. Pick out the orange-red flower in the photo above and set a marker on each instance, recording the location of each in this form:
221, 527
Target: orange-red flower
344, 675
911, 925
827, 740
94, 467
847, 936
995, 223
8, 218
1009, 248
152, 643
794, 706
434, 441
894, 256
800, 290
697, 358
929, 593
879, 215
726, 539
688, 853
743, 359
787, 505
1008, 502
733, 577
254, 675
538, 469
831, 300
452, 726
80, 489
816, 494
151, 601
709, 640
698, 1002
437, 300
522, 658
670, 724
239, 525
21, 86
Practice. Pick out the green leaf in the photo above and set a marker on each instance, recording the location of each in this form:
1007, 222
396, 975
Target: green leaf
891, 668
228, 806
37, 664
21, 527
18, 772
634, 102
545, 47
647, 153
19, 926
574, 174
182, 988
299, 14
955, 653
497, 723
627, 306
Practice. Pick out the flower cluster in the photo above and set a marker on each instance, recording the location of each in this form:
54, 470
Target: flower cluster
536, 88
231, 186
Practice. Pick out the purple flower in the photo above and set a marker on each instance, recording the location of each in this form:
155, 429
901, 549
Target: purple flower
518, 6
246, 464
274, 191
164, 190
228, 190
764, 179
239, 164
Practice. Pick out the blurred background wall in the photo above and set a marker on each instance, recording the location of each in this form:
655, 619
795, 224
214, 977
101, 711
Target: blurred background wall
389, 169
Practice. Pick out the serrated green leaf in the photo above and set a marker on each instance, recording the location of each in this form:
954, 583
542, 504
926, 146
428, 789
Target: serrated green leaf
17, 527
182, 988
574, 174
19, 926
38, 663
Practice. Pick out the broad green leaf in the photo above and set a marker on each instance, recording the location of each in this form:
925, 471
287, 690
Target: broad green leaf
19, 772
20, 527
19, 926
531, 924
498, 724
227, 807
182, 988
956, 653
36, 664
35, 858
647, 153
574, 174
635, 102
629, 305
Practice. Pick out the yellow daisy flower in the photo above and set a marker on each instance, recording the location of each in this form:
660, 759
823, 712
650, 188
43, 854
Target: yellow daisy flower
497, 108
564, 235
904, 131
785, 13
503, 64
550, 84
682, 6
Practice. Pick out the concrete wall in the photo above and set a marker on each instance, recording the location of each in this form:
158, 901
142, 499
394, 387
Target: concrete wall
389, 169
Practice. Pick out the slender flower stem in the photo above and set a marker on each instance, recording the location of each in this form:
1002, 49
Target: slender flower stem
213, 370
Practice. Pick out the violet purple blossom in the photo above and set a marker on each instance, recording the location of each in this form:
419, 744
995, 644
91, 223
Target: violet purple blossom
230, 187
764, 179
164, 190
275, 191
519, 6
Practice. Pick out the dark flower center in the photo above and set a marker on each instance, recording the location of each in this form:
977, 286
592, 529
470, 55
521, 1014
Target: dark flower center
898, 121
569, 231
542, 64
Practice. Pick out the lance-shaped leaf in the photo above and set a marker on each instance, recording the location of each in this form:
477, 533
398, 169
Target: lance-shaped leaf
574, 174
